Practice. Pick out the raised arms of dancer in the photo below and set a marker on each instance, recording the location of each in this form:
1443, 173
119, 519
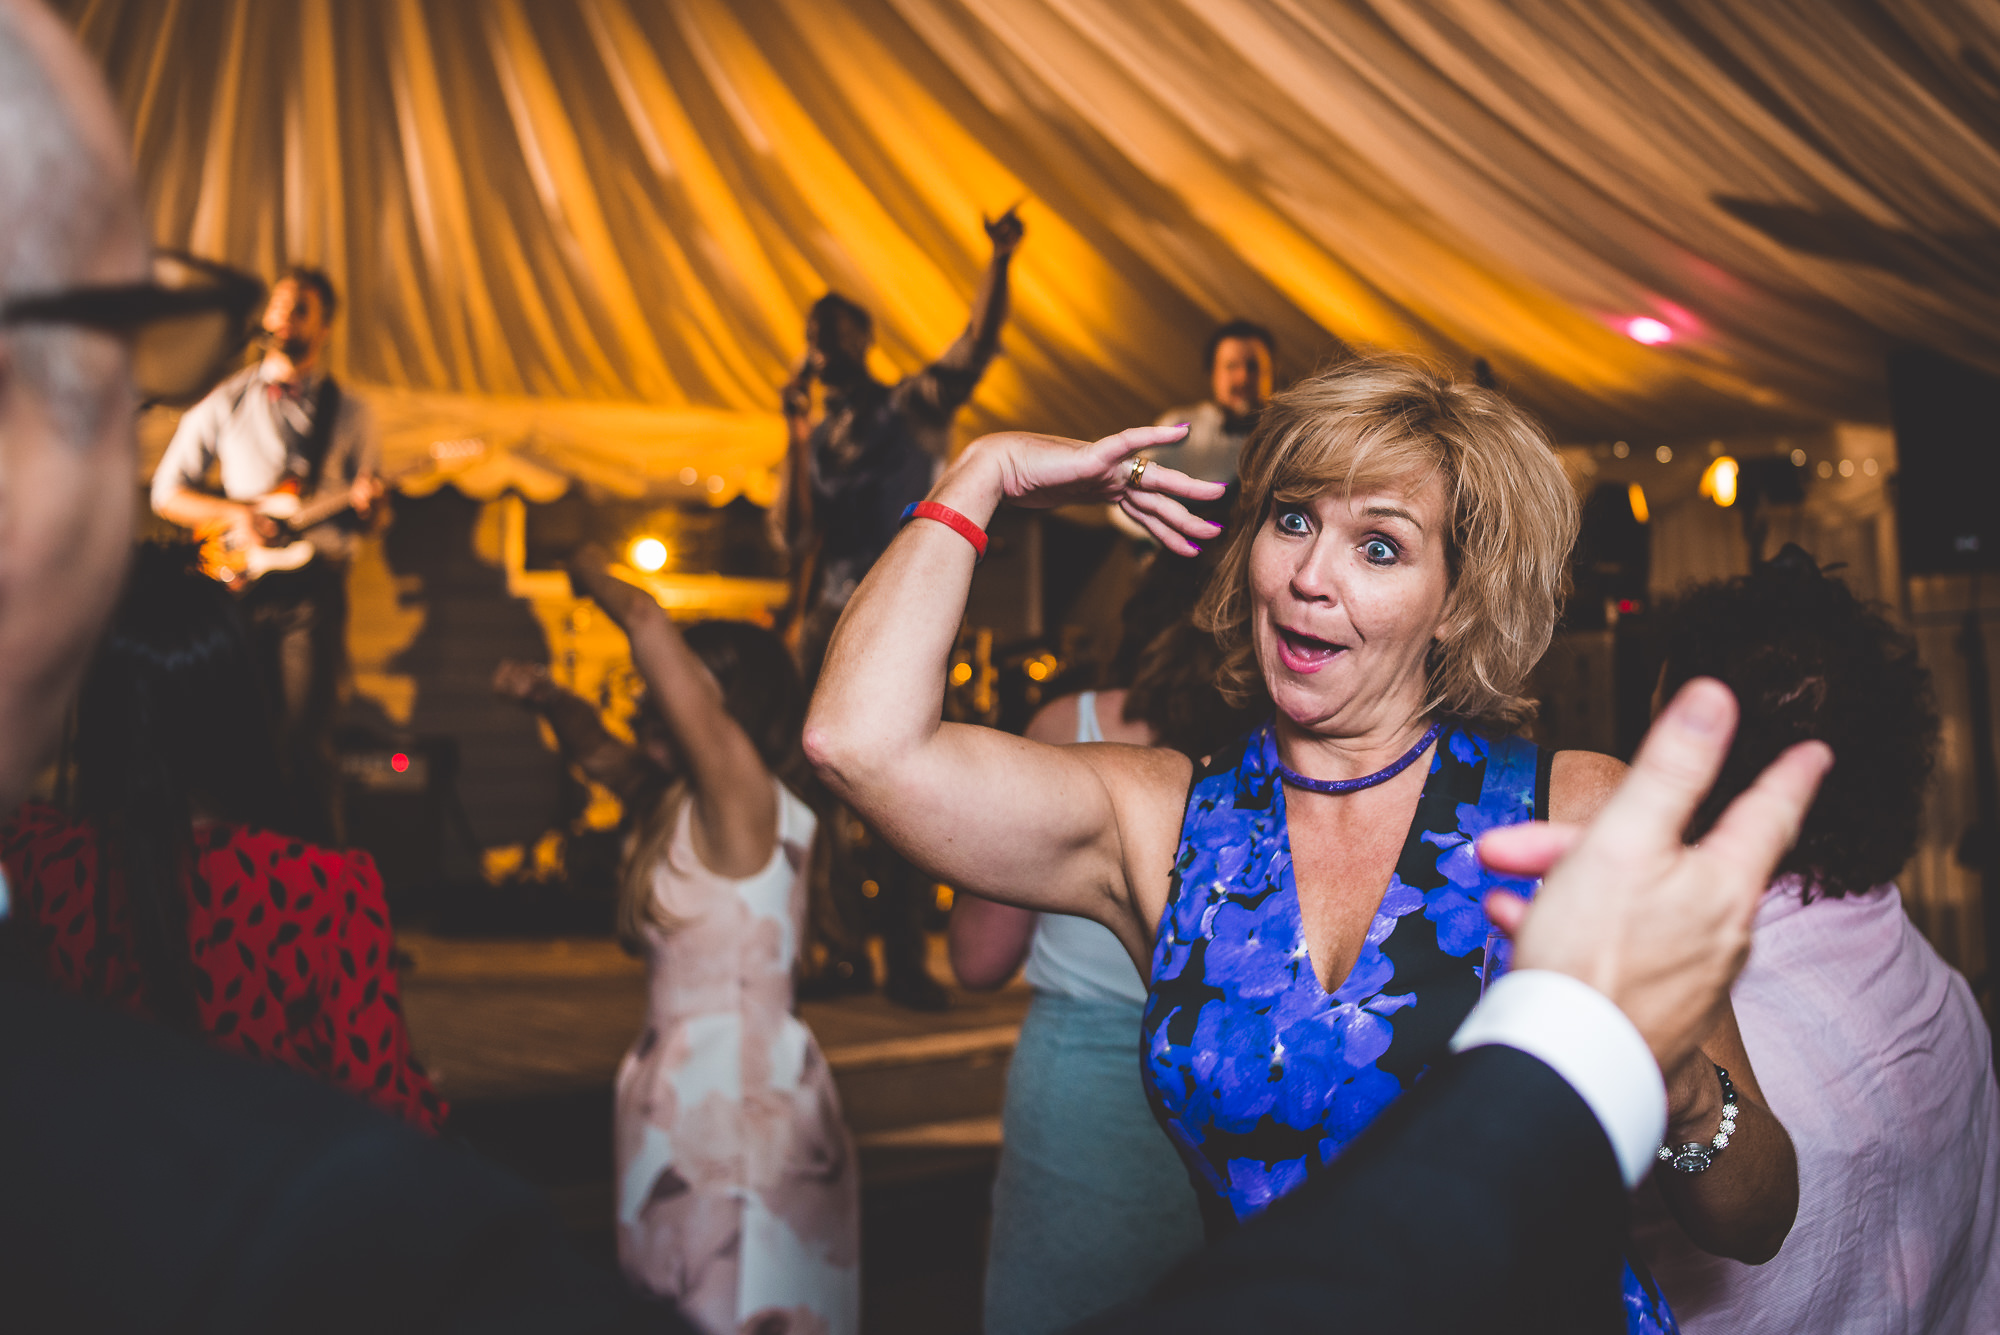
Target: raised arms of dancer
735, 804
1066, 829
949, 381
791, 513
580, 733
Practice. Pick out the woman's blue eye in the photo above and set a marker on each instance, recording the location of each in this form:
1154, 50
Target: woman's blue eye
1291, 521
1379, 551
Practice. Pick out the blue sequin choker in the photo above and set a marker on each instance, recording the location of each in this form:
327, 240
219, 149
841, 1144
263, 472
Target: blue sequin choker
1298, 780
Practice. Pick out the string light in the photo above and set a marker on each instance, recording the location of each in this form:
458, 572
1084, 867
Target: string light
1718, 483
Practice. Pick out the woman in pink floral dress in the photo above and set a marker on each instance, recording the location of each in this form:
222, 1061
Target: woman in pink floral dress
737, 1185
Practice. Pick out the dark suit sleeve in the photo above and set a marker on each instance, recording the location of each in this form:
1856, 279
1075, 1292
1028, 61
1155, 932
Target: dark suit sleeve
1486, 1199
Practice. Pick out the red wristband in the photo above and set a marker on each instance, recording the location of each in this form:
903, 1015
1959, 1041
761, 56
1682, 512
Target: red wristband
952, 520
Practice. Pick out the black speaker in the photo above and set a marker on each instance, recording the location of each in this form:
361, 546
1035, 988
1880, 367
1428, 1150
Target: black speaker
1947, 418
395, 802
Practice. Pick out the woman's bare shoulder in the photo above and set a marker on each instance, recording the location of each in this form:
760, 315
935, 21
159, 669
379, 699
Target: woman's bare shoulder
1148, 775
1580, 782
1148, 787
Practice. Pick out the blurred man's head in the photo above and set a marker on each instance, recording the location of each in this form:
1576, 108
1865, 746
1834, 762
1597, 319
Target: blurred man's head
299, 315
838, 336
69, 217
1239, 358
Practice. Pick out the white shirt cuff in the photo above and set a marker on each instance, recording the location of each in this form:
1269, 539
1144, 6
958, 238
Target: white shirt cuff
1577, 1032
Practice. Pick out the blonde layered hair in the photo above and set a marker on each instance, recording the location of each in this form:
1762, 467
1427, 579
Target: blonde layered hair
1513, 519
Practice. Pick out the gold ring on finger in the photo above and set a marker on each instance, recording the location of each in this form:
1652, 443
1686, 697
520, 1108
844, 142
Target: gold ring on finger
1138, 471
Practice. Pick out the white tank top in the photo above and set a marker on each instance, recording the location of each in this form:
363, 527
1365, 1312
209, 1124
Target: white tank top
1075, 957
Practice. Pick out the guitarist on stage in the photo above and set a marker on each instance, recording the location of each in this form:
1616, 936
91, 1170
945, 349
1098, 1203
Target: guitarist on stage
285, 425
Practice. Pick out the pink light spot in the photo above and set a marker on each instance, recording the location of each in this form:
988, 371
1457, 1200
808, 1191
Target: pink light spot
399, 762
1645, 329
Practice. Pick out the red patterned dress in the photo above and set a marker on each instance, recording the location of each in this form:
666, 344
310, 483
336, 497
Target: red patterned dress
290, 944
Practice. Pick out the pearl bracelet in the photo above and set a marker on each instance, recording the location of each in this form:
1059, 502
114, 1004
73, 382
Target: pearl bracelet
1695, 1157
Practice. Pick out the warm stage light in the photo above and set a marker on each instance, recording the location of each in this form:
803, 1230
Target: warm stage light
1645, 329
648, 554
1637, 495
1719, 482
399, 763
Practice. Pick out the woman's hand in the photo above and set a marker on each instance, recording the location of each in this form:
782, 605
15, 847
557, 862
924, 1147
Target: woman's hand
590, 576
1041, 472
587, 564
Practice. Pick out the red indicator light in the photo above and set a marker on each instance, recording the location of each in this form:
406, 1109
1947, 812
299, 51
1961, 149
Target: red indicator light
1627, 606
399, 762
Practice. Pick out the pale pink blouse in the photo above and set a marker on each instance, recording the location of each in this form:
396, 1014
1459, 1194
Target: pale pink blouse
1873, 1054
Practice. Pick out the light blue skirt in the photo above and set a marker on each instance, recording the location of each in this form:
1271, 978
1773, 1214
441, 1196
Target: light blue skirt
1092, 1204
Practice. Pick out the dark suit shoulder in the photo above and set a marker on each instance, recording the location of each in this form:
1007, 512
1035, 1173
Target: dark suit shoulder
155, 1184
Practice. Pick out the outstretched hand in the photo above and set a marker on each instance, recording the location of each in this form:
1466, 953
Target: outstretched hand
586, 565
590, 576
1660, 927
1040, 472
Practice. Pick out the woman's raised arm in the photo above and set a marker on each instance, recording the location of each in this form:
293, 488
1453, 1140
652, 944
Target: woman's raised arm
735, 802
1038, 826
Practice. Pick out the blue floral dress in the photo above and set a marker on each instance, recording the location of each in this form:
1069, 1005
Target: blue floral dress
1259, 1074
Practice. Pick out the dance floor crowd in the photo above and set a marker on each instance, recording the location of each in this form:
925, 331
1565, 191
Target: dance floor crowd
1352, 1000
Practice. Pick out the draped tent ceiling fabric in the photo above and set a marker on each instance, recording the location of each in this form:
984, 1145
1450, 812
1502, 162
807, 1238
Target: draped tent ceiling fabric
589, 230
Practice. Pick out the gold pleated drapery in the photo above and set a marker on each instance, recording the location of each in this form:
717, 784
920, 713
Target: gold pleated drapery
596, 224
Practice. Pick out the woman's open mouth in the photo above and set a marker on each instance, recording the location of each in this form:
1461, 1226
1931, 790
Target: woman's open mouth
1302, 653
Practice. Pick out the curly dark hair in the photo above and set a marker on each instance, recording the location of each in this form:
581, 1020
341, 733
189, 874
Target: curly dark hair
1807, 659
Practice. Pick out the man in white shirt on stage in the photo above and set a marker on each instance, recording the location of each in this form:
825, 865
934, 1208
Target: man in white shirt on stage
1238, 359
285, 428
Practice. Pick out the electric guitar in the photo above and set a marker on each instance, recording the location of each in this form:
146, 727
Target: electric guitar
226, 558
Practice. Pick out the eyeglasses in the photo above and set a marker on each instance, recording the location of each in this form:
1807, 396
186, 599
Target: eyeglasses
187, 326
